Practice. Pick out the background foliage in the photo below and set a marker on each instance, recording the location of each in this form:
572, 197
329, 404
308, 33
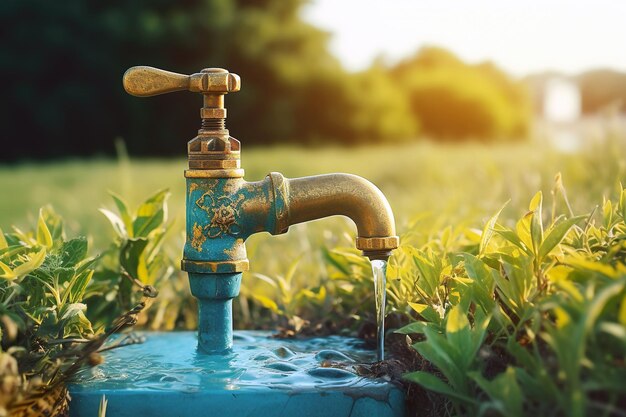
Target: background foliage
65, 62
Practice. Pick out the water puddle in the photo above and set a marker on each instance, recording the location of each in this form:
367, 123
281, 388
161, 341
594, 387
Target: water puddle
379, 269
170, 362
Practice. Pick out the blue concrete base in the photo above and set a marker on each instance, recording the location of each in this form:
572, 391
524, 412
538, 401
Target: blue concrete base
265, 377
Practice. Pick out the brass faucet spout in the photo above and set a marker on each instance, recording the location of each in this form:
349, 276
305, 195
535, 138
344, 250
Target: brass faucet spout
315, 197
223, 209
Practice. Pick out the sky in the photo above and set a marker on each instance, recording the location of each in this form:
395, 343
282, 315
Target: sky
522, 37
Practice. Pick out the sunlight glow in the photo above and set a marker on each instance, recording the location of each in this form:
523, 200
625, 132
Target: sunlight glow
522, 37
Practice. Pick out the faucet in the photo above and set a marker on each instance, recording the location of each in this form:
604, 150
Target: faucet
223, 209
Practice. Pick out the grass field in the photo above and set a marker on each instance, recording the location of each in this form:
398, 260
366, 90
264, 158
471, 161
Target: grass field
442, 183
430, 187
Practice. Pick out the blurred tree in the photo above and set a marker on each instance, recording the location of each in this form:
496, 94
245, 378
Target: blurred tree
456, 101
65, 61
366, 106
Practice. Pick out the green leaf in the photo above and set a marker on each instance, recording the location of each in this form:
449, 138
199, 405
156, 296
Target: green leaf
479, 331
599, 302
7, 272
122, 207
622, 203
48, 326
70, 310
488, 230
586, 266
536, 226
8, 254
73, 251
415, 327
131, 255
522, 228
54, 223
435, 384
540, 388
265, 279
85, 264
78, 285
333, 258
151, 214
614, 329
44, 237
621, 315
3, 241
437, 350
535, 202
77, 325
143, 273
607, 214
426, 311
512, 237
458, 329
267, 302
292, 269
34, 262
556, 235
503, 390
116, 222
429, 267
483, 281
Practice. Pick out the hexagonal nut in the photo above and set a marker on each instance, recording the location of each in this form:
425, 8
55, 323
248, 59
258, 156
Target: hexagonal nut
212, 113
214, 82
377, 243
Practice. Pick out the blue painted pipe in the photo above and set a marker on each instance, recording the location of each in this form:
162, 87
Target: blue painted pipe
215, 293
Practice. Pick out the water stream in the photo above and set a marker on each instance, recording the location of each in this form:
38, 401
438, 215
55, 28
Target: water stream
379, 269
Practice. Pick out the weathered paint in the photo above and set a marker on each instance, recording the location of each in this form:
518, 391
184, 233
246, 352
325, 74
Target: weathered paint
223, 210
221, 214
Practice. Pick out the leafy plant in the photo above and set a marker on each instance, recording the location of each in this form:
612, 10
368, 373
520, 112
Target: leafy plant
134, 258
58, 305
533, 323
45, 278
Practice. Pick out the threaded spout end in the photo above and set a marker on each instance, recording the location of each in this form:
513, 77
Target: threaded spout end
381, 255
214, 124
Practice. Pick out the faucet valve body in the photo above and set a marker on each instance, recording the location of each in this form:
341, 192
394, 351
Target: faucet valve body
223, 209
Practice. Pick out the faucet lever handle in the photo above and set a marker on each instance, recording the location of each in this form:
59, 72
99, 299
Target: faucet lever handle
148, 81
145, 81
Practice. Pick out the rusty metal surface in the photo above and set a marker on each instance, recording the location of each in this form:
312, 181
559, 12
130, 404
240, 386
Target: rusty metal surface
223, 209
145, 81
319, 196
